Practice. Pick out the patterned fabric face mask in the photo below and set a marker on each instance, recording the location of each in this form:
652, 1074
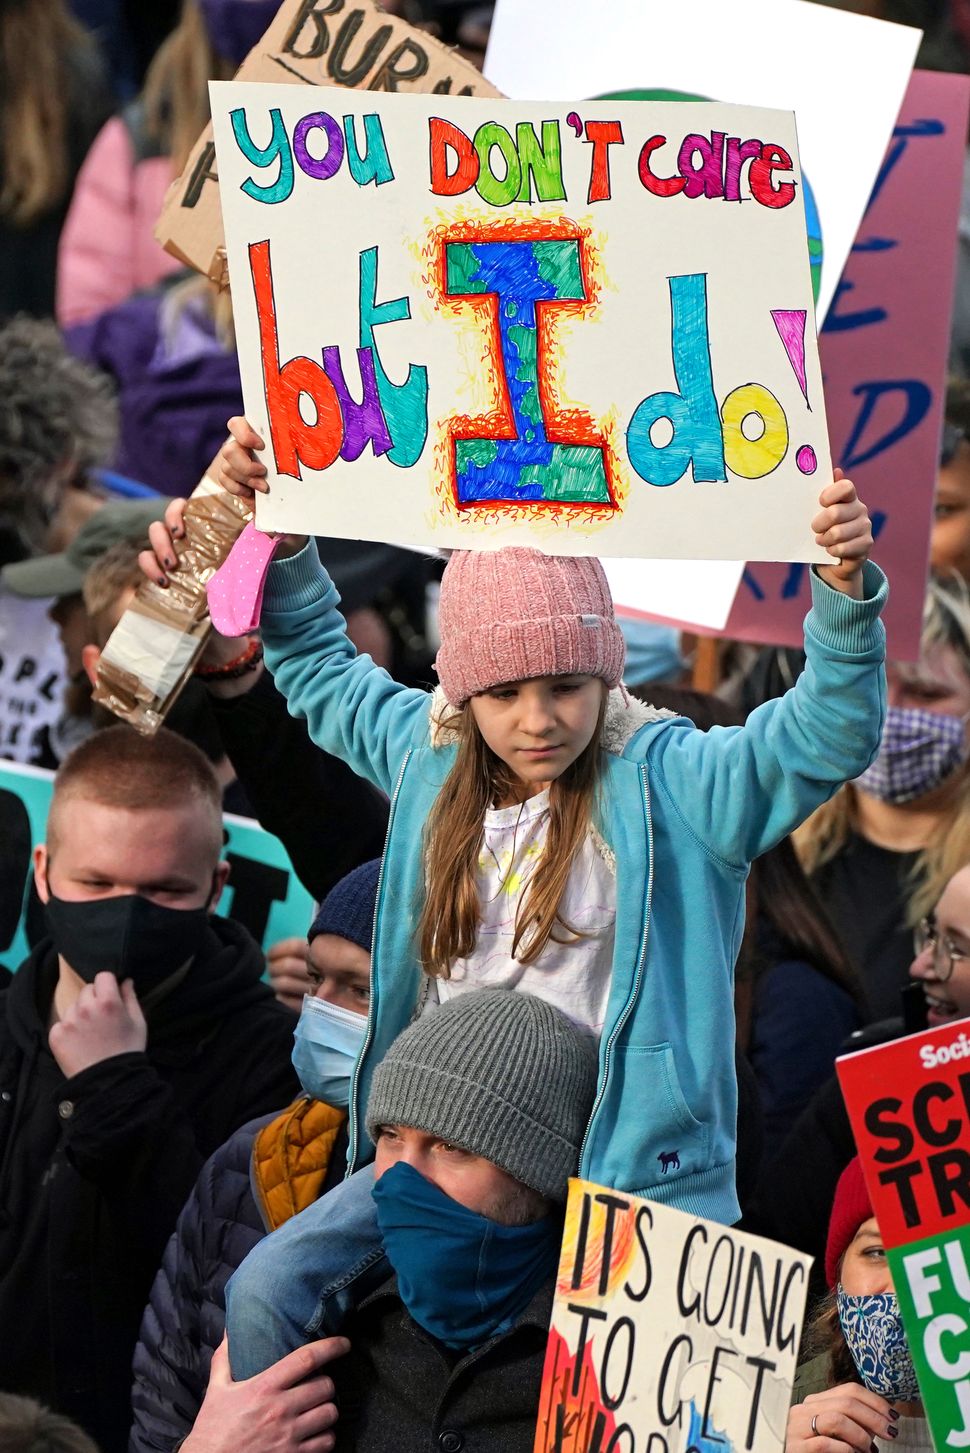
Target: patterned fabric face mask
873, 1331
918, 751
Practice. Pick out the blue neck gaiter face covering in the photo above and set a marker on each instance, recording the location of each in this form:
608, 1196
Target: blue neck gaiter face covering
462, 1277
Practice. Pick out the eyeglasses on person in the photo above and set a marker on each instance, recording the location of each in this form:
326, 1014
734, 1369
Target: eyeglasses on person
945, 952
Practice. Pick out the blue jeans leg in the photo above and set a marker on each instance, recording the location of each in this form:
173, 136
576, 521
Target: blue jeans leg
303, 1280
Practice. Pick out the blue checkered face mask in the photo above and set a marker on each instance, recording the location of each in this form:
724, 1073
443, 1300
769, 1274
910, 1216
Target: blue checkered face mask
873, 1332
918, 751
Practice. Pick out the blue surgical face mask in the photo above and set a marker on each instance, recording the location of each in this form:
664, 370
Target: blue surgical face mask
462, 1277
873, 1332
326, 1043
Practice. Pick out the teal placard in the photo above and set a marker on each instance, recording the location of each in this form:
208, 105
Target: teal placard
263, 892
932, 1282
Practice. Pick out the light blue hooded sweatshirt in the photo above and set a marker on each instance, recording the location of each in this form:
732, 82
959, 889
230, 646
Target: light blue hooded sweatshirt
681, 814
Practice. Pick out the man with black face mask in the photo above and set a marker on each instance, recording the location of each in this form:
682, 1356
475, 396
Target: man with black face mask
133, 1041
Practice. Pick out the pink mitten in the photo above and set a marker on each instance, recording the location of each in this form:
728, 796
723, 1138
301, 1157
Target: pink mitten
235, 592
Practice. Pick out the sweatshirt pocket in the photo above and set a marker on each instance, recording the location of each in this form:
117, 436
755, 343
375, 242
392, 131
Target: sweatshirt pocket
646, 1132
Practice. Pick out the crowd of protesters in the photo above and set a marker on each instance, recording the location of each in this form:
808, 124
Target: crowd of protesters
572, 916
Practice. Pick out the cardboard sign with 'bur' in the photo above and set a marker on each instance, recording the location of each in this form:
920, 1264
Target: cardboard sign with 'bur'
668, 1333
909, 1103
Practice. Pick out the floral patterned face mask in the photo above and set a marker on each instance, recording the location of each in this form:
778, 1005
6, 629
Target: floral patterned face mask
873, 1331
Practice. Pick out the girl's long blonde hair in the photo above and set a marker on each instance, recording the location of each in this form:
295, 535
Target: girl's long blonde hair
176, 89
946, 622
453, 838
36, 39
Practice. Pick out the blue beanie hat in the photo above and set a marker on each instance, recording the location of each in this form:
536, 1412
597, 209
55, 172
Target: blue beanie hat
348, 909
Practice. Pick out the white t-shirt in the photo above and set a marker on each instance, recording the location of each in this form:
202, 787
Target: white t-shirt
574, 976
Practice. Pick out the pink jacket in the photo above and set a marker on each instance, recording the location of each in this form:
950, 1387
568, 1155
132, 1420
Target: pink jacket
107, 250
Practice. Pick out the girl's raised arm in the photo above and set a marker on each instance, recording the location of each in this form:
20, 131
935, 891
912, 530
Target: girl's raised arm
353, 709
742, 789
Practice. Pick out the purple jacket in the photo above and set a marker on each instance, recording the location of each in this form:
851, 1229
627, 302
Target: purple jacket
177, 385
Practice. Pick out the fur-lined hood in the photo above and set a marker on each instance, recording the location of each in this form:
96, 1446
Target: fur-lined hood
625, 715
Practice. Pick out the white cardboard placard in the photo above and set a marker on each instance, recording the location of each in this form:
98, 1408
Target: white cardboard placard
606, 354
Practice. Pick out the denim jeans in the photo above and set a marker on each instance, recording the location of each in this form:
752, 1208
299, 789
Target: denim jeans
302, 1281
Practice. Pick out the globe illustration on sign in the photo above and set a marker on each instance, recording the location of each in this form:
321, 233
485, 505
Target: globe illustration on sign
812, 220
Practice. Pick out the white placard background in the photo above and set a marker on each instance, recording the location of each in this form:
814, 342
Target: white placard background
754, 259
699, 591
843, 75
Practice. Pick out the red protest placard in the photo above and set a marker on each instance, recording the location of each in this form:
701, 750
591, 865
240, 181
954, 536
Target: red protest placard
909, 1104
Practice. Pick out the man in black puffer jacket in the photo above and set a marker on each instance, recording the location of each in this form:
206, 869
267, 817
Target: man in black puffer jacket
266, 1173
133, 1041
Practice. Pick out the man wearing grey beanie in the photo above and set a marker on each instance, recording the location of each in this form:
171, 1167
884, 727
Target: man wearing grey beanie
478, 1111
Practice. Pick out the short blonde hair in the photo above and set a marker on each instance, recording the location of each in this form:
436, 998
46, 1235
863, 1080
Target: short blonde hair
117, 767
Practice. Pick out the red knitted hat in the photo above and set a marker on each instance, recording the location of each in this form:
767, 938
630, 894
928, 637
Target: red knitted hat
513, 614
850, 1208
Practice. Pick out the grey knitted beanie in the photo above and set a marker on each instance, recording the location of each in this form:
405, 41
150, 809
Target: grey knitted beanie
502, 1074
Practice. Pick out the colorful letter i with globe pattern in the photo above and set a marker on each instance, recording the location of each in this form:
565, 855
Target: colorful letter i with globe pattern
525, 278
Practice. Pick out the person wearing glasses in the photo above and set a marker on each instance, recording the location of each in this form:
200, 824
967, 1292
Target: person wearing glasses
942, 962
881, 851
797, 1183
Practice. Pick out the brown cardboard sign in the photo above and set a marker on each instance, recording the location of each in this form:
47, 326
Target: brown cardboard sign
350, 43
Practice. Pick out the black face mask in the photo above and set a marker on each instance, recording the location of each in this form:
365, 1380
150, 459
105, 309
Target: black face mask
130, 937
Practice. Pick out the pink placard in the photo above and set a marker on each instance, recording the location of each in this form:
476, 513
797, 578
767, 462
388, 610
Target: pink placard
884, 349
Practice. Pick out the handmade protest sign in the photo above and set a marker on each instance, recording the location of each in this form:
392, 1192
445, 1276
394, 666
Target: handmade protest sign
668, 1333
263, 892
468, 323
353, 43
699, 592
32, 676
909, 1103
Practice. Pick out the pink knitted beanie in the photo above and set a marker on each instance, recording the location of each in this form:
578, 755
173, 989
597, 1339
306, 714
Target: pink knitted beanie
509, 615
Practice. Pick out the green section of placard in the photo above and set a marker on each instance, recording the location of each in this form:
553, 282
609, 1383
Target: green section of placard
932, 1282
263, 892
